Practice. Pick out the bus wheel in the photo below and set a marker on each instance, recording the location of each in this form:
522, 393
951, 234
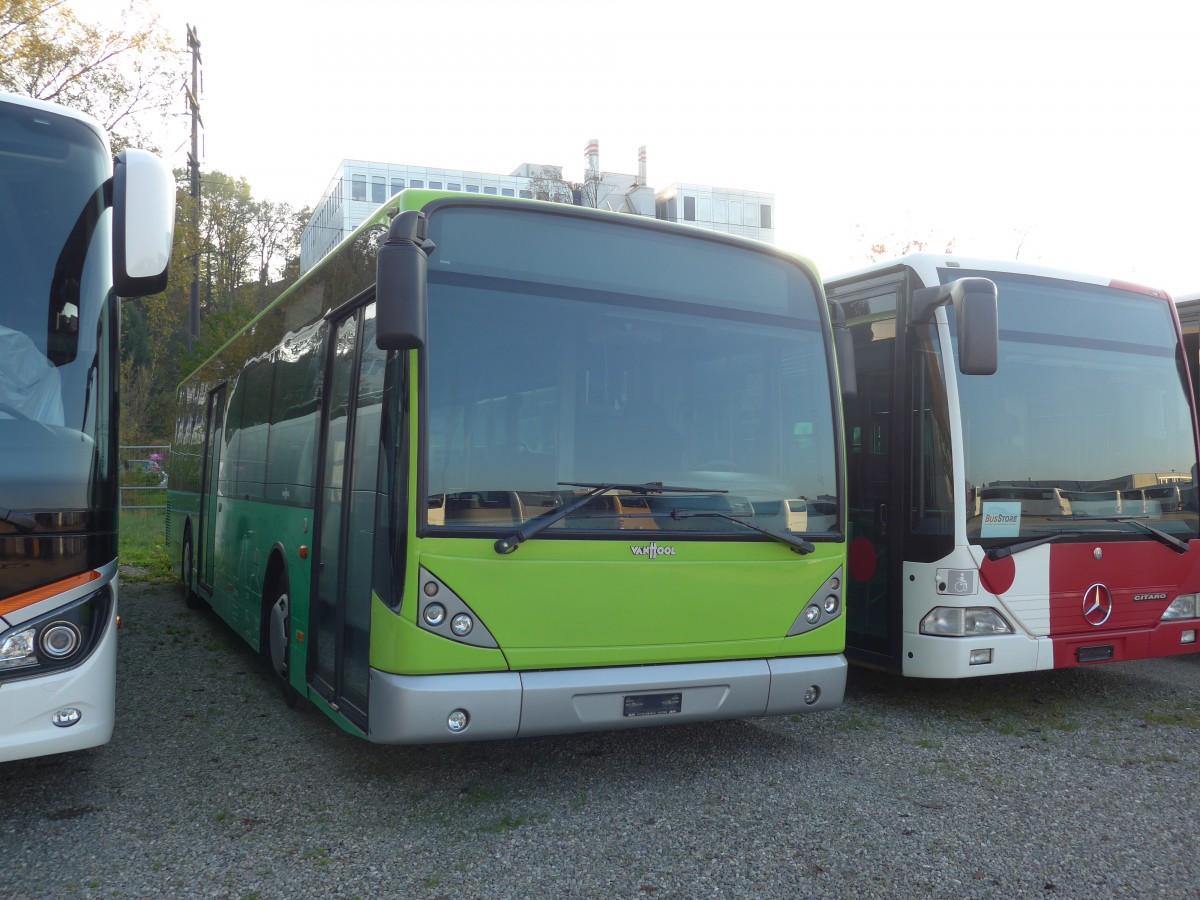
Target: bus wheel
187, 573
279, 626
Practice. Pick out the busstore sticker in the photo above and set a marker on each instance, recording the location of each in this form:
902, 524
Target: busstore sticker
1001, 519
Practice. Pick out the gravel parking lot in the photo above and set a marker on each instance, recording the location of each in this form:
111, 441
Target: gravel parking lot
1080, 783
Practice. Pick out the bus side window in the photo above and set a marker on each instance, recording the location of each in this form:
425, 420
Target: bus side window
291, 450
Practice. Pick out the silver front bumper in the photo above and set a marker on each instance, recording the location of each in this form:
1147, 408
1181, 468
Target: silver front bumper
413, 709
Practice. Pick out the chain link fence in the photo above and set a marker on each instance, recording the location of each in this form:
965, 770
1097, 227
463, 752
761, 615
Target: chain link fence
144, 476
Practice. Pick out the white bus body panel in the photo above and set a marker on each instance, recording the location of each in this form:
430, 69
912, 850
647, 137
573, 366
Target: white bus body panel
1025, 605
926, 266
26, 706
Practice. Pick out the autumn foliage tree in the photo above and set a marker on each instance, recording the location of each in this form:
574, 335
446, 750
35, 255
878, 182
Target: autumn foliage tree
128, 74
248, 251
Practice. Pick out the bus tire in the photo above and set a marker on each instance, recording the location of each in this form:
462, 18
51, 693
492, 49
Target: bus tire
187, 572
279, 624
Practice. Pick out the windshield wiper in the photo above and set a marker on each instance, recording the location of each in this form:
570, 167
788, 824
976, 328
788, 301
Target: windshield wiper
24, 521
994, 553
795, 544
1169, 539
533, 526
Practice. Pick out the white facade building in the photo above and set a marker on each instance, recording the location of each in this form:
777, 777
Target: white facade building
359, 187
747, 213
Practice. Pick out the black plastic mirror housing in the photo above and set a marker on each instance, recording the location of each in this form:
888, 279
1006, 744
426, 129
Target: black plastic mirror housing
976, 308
401, 301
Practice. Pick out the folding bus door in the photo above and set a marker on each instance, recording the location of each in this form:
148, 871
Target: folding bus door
346, 514
213, 441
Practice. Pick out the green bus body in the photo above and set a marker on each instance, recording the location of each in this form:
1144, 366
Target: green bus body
370, 489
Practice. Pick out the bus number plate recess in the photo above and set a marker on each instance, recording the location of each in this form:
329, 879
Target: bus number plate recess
653, 704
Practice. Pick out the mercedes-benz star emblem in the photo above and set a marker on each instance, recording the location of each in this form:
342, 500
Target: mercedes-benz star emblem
1097, 605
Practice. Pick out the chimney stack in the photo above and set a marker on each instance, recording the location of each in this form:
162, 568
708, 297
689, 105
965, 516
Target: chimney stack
592, 155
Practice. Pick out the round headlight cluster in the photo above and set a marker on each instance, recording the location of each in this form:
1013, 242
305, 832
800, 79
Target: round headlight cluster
461, 624
812, 614
434, 614
61, 639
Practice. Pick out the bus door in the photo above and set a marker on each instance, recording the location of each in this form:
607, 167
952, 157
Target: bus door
874, 436
213, 440
346, 514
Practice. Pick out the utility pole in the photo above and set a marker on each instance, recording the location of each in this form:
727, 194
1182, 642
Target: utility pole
193, 95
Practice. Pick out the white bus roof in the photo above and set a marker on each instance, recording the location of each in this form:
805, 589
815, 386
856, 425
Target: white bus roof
55, 109
926, 265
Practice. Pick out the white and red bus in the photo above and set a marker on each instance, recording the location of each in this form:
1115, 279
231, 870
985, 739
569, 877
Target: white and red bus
77, 230
1041, 516
1188, 307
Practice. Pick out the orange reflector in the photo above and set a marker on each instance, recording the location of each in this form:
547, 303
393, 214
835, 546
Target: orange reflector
20, 601
300, 637
303, 552
118, 621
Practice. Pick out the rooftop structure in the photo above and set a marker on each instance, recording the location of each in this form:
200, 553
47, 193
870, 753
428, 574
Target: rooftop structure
359, 187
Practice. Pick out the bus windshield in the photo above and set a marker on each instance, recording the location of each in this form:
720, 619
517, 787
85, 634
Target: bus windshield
56, 265
689, 363
1086, 424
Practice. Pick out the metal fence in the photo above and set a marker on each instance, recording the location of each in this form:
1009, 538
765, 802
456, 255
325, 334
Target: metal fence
144, 474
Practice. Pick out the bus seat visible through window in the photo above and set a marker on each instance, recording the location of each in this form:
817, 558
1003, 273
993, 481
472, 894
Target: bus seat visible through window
29, 383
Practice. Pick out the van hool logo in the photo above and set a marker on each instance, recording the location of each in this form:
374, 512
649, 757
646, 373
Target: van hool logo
653, 551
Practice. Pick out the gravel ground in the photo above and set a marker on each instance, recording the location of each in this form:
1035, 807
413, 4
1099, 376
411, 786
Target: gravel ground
1079, 783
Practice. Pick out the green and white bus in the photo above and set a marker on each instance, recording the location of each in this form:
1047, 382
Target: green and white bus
498, 468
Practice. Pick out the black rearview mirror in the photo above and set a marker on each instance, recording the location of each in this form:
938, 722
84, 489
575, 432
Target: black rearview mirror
401, 304
977, 311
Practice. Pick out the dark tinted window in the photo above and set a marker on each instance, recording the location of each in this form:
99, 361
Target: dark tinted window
1089, 405
291, 460
562, 348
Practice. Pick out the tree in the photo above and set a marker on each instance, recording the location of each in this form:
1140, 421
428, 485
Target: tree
123, 76
893, 246
548, 183
227, 218
272, 226
239, 239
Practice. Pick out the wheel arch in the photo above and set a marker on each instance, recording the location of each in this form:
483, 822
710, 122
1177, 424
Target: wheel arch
275, 575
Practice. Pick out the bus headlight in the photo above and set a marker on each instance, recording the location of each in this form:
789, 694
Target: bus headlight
17, 649
823, 607
1185, 606
60, 640
66, 717
957, 621
449, 616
